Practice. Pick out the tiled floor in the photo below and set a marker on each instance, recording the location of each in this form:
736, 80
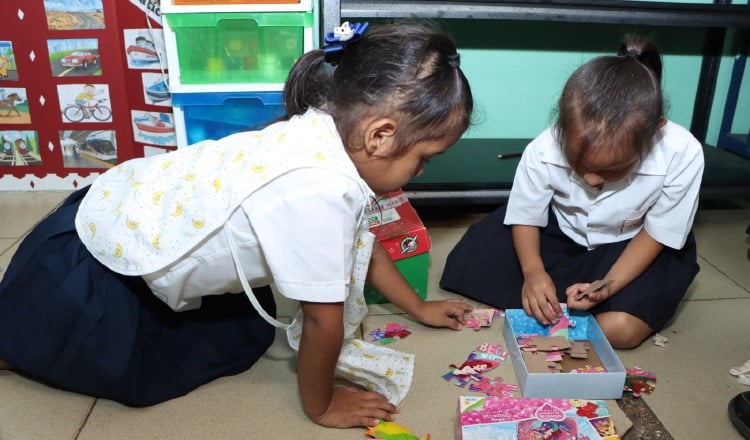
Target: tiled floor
709, 335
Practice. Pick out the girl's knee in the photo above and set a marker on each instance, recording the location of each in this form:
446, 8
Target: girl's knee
623, 330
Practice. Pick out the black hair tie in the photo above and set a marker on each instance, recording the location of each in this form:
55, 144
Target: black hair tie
633, 54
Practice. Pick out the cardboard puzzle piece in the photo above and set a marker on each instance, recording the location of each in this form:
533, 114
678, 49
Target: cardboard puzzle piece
596, 285
493, 351
480, 318
494, 387
549, 343
579, 357
578, 350
471, 369
392, 431
536, 362
483, 359
638, 381
390, 333
560, 328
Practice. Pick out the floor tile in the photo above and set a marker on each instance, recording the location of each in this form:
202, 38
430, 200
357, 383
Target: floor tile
711, 283
7, 248
21, 210
723, 242
694, 386
30, 410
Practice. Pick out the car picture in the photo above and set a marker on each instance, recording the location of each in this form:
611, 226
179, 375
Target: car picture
80, 58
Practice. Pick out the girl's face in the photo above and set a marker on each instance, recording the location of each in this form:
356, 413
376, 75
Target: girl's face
598, 166
385, 172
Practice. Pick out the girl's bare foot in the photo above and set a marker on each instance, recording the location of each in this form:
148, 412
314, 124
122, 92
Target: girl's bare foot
4, 365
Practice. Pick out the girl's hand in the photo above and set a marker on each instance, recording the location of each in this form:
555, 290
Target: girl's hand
581, 299
539, 298
448, 313
351, 407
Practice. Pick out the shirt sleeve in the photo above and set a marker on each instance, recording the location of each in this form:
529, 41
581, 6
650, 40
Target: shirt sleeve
306, 222
670, 219
531, 193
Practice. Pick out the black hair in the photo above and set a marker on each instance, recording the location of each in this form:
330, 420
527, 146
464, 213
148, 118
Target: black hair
613, 102
407, 71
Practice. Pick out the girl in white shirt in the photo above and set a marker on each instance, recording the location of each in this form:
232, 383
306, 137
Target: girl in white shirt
608, 194
120, 293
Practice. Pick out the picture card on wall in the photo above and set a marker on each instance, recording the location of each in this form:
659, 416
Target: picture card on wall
19, 148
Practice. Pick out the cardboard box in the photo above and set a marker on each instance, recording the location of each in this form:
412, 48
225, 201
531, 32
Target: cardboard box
399, 229
601, 385
522, 418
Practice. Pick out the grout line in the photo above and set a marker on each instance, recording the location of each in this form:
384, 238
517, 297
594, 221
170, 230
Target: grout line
737, 283
85, 419
646, 424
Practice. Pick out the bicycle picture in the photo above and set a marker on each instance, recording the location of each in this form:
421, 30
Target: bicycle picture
94, 108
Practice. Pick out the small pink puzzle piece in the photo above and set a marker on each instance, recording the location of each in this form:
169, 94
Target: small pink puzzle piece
390, 333
494, 387
480, 318
560, 328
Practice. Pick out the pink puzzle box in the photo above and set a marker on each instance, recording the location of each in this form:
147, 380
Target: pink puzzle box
524, 418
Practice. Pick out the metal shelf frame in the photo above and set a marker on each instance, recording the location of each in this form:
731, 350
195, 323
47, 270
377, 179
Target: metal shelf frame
720, 15
715, 17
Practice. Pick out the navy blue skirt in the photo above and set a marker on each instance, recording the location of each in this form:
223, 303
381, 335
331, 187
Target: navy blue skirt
483, 266
70, 322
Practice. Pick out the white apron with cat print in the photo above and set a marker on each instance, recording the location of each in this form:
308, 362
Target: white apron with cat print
144, 214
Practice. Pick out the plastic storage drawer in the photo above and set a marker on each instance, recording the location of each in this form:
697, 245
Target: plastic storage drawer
200, 116
238, 47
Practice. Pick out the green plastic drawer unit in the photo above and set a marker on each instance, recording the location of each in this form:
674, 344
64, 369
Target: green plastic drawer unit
238, 47
415, 269
216, 115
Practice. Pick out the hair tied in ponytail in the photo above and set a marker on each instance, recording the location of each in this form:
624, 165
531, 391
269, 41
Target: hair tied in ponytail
634, 54
340, 38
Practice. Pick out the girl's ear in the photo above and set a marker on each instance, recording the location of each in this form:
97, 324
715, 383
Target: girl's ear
380, 137
662, 122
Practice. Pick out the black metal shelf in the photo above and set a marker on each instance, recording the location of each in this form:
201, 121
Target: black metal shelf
714, 17
593, 11
586, 11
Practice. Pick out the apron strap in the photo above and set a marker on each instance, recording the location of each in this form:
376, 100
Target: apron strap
243, 279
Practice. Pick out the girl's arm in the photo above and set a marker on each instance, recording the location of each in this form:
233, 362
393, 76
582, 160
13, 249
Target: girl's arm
384, 276
319, 350
637, 257
538, 295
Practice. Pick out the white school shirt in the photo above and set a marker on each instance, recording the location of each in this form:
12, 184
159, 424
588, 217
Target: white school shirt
296, 232
661, 194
